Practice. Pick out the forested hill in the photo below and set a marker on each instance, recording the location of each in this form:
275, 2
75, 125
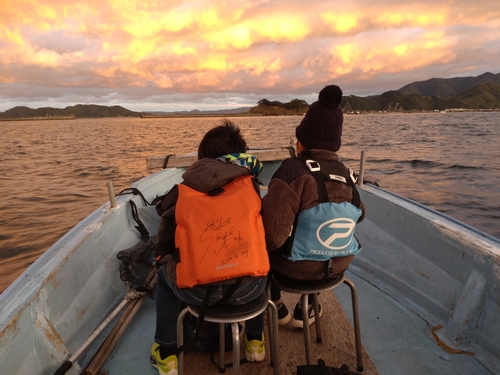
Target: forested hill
78, 111
448, 88
483, 97
275, 108
464, 93
436, 94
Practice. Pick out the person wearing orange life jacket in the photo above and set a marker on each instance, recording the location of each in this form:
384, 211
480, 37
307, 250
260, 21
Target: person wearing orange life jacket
222, 164
295, 192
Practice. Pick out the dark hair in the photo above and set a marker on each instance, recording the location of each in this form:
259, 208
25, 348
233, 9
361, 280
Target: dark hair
222, 140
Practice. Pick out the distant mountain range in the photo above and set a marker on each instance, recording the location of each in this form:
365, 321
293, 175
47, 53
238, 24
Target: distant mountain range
196, 112
461, 93
78, 111
450, 87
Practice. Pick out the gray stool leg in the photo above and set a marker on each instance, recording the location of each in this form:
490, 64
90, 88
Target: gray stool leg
307, 332
180, 339
270, 329
233, 317
319, 337
272, 324
236, 347
357, 331
222, 348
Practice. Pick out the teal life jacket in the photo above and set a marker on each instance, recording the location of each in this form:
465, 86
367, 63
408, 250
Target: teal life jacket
327, 230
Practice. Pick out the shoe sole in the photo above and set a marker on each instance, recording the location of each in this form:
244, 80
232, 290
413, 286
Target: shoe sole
255, 357
284, 321
300, 323
171, 372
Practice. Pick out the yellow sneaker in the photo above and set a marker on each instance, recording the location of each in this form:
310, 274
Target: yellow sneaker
166, 366
255, 349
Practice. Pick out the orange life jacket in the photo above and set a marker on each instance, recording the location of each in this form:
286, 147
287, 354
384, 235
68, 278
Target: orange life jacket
219, 237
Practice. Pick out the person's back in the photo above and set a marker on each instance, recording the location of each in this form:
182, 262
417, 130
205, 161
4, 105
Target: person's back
294, 190
222, 169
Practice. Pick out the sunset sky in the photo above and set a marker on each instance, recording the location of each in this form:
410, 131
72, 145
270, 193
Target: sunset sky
172, 55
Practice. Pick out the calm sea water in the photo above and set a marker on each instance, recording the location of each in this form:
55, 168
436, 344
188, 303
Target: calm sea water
54, 173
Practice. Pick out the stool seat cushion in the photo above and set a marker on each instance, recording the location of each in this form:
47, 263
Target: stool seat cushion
305, 286
229, 311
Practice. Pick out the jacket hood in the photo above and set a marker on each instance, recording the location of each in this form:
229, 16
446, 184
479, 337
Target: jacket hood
207, 174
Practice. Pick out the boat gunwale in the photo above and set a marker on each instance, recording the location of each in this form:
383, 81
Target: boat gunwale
459, 225
26, 286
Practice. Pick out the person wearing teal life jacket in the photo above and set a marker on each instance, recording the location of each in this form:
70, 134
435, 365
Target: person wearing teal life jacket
222, 160
312, 206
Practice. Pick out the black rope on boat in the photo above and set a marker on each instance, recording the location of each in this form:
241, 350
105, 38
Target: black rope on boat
165, 161
134, 191
140, 225
139, 261
375, 183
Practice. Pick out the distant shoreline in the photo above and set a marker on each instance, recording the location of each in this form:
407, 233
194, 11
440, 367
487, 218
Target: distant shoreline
147, 115
38, 118
190, 115
179, 115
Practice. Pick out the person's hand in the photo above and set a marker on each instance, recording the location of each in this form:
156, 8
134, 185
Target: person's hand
161, 260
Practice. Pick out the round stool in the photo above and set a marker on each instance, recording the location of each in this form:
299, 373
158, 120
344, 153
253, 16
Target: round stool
232, 314
305, 288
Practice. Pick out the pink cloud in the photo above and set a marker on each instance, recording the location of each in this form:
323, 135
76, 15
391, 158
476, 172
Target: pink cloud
244, 48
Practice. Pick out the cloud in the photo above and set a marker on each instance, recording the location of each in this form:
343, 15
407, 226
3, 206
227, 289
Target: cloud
148, 51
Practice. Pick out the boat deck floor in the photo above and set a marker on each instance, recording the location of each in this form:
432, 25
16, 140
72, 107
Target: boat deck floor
393, 338
397, 340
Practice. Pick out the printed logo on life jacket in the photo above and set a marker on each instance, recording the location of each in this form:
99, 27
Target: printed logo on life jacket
229, 265
336, 234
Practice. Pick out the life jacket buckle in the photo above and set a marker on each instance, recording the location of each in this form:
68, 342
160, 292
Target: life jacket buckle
330, 267
351, 173
313, 165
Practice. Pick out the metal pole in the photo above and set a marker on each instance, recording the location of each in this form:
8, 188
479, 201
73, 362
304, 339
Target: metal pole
361, 168
67, 365
111, 193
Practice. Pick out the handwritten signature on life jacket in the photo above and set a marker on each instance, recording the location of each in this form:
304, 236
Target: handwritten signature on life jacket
222, 234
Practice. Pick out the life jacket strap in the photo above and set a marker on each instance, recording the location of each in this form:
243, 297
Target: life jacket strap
335, 172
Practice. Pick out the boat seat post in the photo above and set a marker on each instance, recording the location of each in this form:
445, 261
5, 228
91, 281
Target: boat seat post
319, 337
272, 319
313, 288
233, 315
222, 347
235, 330
180, 338
306, 328
357, 329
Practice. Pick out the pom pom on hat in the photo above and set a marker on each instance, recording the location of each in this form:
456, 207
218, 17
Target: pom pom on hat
321, 127
330, 96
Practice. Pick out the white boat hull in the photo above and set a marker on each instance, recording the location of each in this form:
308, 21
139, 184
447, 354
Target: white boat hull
442, 270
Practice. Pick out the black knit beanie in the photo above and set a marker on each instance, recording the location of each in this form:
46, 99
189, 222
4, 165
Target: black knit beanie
321, 127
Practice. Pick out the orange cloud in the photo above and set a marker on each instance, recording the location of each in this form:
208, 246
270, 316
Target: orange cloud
341, 22
11, 36
384, 54
284, 28
197, 45
235, 37
411, 19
